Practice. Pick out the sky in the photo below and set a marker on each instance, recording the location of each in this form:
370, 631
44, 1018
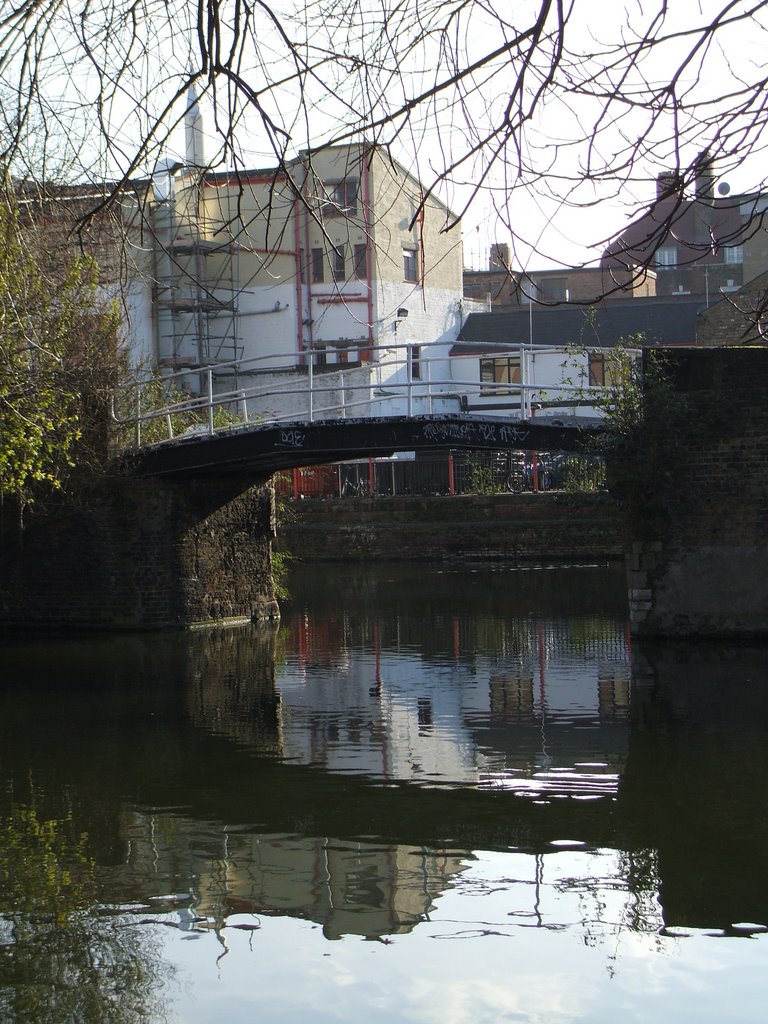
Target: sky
581, 152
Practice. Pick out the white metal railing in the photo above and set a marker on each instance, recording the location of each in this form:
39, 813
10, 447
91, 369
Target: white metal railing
244, 392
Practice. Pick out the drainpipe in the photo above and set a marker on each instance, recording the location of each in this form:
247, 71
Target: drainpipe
366, 169
299, 275
308, 254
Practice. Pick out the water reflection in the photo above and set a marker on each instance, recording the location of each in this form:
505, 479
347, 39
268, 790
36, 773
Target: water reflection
488, 698
379, 760
349, 888
60, 960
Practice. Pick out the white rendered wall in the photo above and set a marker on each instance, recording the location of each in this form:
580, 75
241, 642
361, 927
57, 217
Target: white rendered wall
283, 396
546, 374
267, 324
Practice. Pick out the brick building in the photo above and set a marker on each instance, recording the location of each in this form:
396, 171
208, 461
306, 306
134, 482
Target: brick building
504, 289
739, 319
692, 237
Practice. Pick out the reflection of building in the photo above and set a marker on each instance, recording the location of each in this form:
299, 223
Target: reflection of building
412, 719
613, 687
348, 888
511, 696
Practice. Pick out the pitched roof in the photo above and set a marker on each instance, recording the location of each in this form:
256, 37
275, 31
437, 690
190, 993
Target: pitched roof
662, 321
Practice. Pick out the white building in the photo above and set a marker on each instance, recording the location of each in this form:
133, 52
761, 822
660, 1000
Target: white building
335, 271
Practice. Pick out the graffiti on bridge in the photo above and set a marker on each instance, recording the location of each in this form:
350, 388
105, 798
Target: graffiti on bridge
474, 433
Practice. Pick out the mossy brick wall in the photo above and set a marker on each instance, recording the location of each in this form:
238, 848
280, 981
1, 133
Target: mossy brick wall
701, 569
142, 554
545, 527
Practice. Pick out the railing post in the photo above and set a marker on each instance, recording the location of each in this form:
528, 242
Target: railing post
371, 477
209, 383
343, 396
451, 478
311, 384
428, 379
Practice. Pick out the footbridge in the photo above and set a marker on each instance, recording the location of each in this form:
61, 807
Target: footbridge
699, 563
254, 418
180, 533
259, 450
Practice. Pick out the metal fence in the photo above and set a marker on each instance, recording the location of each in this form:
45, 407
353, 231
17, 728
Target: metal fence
454, 473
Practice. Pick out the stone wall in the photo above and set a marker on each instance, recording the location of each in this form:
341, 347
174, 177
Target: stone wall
548, 527
141, 554
701, 569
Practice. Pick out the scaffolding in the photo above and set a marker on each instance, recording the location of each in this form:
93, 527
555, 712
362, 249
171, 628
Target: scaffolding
197, 283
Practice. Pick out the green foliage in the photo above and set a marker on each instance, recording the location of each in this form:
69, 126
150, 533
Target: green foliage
44, 866
62, 957
282, 560
143, 398
57, 345
481, 476
580, 474
646, 423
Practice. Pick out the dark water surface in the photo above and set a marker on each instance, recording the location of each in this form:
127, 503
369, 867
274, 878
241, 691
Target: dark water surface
434, 796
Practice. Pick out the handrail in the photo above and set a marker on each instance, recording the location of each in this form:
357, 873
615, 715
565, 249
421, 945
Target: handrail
362, 387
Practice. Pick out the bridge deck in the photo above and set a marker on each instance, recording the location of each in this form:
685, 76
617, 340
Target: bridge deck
260, 450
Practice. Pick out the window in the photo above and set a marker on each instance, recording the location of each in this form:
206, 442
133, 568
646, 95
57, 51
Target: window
318, 265
606, 371
411, 265
361, 260
341, 197
666, 256
734, 254
597, 369
339, 263
415, 357
554, 289
502, 371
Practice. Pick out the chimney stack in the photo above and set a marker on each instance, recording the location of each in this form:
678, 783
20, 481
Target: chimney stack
667, 185
499, 256
705, 178
193, 131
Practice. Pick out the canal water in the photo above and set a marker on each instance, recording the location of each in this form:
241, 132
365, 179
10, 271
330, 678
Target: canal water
433, 796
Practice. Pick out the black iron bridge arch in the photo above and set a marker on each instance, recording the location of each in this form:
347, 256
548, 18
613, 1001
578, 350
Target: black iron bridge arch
259, 450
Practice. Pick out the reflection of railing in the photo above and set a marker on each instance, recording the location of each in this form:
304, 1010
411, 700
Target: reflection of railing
452, 473
401, 379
